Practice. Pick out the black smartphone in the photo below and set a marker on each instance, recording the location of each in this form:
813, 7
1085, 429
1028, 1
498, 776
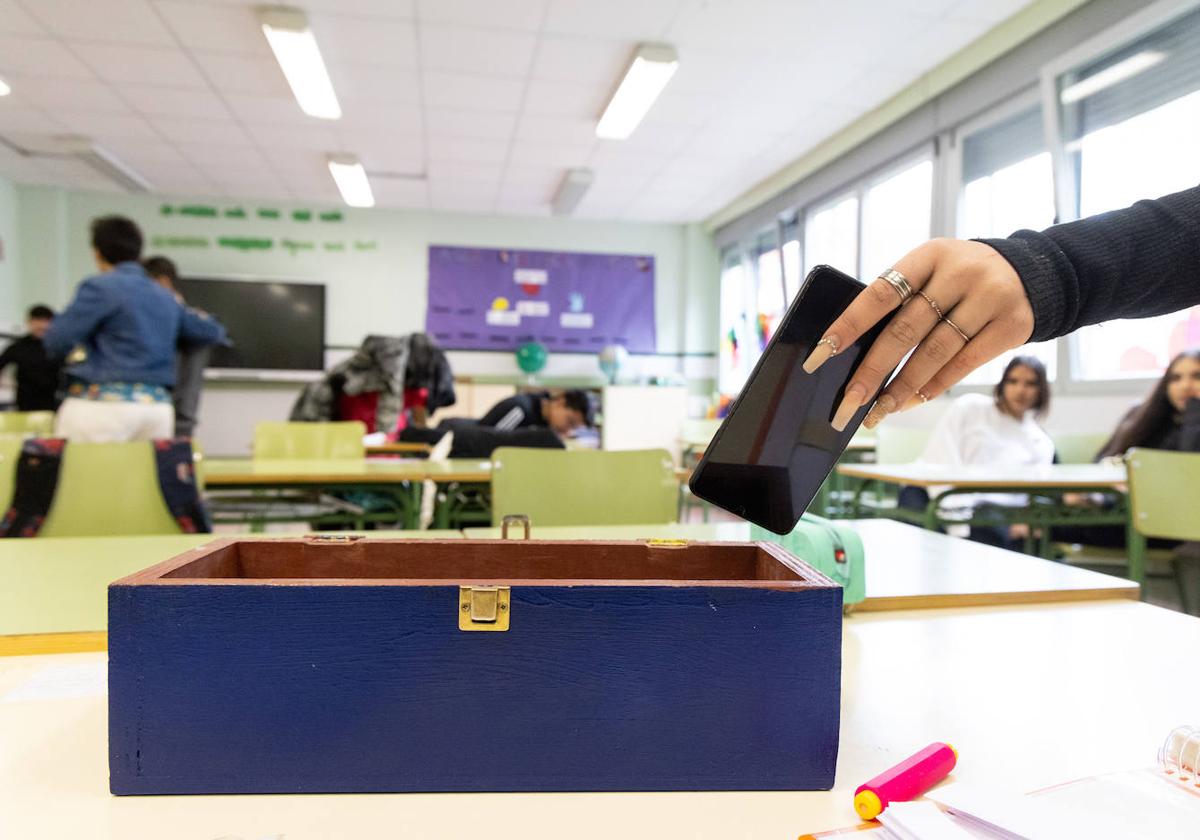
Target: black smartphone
776, 446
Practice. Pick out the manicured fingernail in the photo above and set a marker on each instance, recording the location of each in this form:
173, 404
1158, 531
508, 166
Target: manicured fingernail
884, 406
856, 395
826, 347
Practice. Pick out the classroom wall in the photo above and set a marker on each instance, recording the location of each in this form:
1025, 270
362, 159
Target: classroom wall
374, 266
10, 293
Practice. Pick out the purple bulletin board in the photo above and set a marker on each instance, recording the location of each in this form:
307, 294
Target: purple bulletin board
491, 299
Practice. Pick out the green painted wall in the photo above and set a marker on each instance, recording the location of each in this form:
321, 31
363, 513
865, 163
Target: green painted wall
10, 274
374, 263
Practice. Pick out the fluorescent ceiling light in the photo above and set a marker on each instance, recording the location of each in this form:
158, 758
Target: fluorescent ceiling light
652, 67
105, 162
5, 90
300, 59
571, 191
1110, 76
351, 180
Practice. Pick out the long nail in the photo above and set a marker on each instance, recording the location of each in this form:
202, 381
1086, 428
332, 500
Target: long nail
856, 395
826, 347
884, 406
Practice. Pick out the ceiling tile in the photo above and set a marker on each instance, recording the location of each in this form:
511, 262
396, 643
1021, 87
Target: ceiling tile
104, 126
52, 95
298, 161
317, 138
266, 110
566, 59
511, 14
16, 117
216, 28
379, 120
122, 63
119, 21
578, 131
155, 153
539, 181
217, 132
231, 158
638, 20
366, 40
169, 102
468, 151
481, 93
481, 124
15, 21
242, 74
465, 171
398, 192
531, 153
374, 82
392, 157
20, 55
987, 11
565, 99
361, 8
465, 49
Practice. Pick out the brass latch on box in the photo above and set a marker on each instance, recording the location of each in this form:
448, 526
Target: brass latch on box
483, 608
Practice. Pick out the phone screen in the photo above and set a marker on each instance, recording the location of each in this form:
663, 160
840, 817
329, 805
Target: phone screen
776, 446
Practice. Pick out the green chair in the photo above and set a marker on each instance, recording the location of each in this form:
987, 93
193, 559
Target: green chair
583, 487
1164, 495
1078, 449
108, 489
27, 422
302, 441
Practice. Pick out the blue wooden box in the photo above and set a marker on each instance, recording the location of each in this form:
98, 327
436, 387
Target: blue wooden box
364, 665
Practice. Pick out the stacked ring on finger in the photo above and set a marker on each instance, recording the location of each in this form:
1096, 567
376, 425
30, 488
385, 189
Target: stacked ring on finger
898, 282
943, 317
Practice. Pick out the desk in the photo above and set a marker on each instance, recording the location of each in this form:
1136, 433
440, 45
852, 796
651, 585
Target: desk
399, 478
54, 590
1015, 689
907, 567
1049, 483
399, 448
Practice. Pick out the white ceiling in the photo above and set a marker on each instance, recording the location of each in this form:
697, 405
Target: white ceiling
489, 100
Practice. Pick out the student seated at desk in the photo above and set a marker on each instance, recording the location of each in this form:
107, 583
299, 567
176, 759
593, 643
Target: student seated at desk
563, 413
37, 373
1168, 419
1000, 429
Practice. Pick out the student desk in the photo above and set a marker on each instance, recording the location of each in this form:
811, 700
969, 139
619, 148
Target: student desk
401, 478
1021, 692
416, 450
54, 590
1049, 483
907, 567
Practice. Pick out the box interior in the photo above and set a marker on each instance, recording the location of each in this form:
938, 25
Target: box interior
453, 560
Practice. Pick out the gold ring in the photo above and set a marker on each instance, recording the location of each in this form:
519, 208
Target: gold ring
932, 303
955, 327
898, 282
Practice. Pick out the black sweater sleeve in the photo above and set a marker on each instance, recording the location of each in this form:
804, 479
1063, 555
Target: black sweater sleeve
1189, 427
1132, 263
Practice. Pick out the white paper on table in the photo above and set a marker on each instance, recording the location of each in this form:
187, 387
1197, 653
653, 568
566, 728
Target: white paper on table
1016, 815
62, 682
922, 821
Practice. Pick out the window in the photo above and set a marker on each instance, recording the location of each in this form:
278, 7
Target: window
734, 364
1129, 118
896, 217
1008, 185
831, 235
792, 278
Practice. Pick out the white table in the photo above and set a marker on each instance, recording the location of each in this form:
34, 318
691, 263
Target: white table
1029, 696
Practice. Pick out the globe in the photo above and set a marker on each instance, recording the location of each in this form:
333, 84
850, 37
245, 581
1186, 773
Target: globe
612, 359
531, 356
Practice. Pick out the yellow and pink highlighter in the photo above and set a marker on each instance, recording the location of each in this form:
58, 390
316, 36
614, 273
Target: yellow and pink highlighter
906, 781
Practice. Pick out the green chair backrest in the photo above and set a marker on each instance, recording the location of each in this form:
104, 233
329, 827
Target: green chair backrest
108, 489
1078, 448
28, 422
299, 441
1164, 493
584, 487
10, 451
898, 444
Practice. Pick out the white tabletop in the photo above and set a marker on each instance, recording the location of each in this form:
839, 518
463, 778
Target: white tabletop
1101, 476
1029, 696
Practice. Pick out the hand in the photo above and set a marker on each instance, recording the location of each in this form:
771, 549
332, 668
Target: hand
971, 284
